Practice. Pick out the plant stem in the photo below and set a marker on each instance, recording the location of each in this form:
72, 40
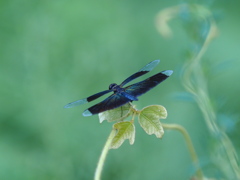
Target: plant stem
190, 146
103, 155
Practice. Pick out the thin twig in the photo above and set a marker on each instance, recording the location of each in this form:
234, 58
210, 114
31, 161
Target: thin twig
190, 146
103, 155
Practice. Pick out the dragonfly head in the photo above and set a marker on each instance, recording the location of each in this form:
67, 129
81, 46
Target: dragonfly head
113, 86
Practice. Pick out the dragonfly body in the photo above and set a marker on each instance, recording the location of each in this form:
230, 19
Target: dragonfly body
122, 95
118, 89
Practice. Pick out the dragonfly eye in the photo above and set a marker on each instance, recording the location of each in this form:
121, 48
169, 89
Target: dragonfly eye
112, 86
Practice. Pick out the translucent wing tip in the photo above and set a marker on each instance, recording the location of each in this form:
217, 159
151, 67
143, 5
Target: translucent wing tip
167, 72
150, 65
67, 106
87, 113
76, 103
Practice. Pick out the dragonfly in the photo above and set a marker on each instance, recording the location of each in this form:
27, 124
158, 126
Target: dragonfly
122, 95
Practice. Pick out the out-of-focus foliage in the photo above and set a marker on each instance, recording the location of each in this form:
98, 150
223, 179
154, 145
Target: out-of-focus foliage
55, 52
194, 81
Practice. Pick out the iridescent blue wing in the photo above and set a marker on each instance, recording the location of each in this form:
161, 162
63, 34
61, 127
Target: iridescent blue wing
86, 100
142, 87
112, 102
141, 72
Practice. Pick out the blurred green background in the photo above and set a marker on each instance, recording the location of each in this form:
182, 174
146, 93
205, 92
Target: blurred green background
55, 52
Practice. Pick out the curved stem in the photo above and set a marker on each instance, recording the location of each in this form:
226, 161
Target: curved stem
103, 155
190, 146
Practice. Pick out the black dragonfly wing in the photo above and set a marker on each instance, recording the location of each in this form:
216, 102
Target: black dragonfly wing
112, 102
142, 87
86, 100
147, 68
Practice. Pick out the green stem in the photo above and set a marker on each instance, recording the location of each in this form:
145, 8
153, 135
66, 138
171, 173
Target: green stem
190, 146
103, 155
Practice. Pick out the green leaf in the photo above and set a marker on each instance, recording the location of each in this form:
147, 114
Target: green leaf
149, 119
117, 114
125, 130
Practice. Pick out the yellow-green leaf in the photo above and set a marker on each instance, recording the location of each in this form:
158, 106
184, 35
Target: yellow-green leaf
125, 130
117, 114
156, 111
149, 119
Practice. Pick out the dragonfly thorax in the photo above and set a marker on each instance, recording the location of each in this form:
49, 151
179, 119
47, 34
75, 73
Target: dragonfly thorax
113, 86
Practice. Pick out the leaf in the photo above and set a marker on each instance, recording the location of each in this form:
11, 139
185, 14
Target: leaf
156, 111
125, 130
149, 119
116, 114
